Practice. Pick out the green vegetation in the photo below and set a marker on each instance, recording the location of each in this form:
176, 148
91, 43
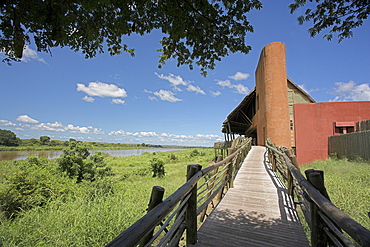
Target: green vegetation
77, 163
157, 166
8, 138
43, 206
10, 142
348, 186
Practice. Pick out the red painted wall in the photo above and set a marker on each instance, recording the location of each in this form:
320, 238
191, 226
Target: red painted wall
314, 123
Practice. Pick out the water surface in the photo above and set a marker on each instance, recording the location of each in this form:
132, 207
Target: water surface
52, 154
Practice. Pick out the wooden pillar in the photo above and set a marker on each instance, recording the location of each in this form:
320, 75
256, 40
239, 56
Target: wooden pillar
191, 211
318, 237
219, 158
155, 198
293, 159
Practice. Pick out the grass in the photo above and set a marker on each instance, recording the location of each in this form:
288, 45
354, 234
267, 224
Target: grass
90, 216
348, 186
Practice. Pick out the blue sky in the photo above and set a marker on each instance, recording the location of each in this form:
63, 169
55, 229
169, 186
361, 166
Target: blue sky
129, 100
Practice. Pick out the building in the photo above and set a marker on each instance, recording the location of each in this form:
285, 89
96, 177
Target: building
280, 109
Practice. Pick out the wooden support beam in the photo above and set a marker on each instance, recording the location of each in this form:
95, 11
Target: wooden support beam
191, 211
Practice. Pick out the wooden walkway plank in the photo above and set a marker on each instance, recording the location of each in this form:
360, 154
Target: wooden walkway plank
256, 212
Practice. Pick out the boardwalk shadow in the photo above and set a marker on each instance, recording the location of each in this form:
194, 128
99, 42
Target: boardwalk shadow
286, 204
241, 228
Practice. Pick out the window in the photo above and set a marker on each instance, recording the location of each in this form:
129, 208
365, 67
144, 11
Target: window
344, 128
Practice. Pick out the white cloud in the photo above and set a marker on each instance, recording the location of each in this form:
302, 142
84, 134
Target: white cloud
102, 90
345, 87
167, 138
120, 133
29, 54
7, 123
166, 96
350, 91
239, 76
361, 92
59, 127
175, 80
145, 134
215, 94
240, 88
196, 89
26, 119
88, 99
225, 83
118, 101
56, 126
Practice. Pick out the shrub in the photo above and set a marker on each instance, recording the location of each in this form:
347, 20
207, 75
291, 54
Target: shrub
195, 152
172, 157
77, 163
31, 186
157, 166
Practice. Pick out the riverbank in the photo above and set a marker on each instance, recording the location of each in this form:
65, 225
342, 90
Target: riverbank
61, 147
87, 213
53, 154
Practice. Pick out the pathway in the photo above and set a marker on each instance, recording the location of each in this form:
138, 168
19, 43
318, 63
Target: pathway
256, 212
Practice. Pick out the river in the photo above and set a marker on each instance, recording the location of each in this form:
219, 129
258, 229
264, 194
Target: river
22, 155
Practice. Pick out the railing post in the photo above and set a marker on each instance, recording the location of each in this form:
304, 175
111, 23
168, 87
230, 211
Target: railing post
155, 198
318, 238
219, 158
293, 159
191, 211
274, 160
230, 170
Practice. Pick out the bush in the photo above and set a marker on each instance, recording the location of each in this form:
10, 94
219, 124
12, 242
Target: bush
157, 167
172, 157
77, 163
31, 185
195, 152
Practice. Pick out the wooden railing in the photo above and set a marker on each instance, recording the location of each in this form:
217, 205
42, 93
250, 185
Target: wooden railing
326, 221
177, 217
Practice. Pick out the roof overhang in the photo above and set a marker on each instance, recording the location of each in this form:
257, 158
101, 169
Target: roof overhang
240, 119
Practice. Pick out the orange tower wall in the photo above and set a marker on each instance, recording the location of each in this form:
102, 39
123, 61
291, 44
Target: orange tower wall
272, 116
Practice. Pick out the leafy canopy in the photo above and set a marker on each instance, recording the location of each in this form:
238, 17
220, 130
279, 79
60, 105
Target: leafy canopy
338, 16
77, 163
195, 31
8, 138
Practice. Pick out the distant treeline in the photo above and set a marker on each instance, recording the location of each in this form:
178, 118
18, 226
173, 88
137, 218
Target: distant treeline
9, 142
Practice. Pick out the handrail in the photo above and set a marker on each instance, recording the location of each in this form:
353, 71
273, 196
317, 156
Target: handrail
133, 235
340, 219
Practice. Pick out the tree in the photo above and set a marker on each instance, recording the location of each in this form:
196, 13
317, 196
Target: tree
338, 16
77, 163
8, 138
45, 140
199, 31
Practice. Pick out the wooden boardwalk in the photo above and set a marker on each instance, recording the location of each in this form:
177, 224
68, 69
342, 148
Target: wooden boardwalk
256, 212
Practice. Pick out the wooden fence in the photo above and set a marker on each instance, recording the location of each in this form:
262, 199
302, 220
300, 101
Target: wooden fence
352, 146
363, 125
178, 217
326, 221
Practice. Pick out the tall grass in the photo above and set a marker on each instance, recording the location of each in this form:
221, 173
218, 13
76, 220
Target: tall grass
92, 216
348, 186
